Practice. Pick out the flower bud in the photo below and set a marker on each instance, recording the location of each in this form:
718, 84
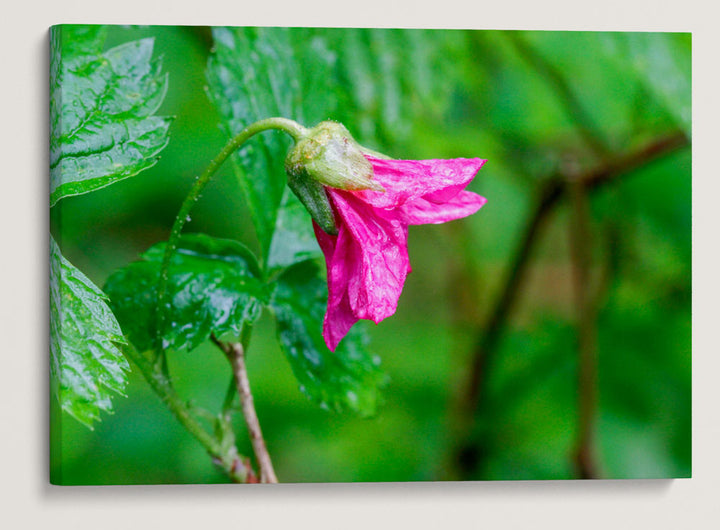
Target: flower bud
330, 156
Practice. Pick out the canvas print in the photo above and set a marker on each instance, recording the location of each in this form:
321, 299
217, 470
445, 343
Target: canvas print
348, 255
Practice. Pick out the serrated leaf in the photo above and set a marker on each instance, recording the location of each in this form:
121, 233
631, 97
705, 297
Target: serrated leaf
213, 287
347, 379
101, 112
86, 366
249, 80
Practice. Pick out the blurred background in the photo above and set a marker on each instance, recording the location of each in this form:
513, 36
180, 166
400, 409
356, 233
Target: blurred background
546, 337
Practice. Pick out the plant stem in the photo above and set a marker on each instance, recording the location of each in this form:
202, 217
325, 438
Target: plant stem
580, 249
233, 465
245, 334
291, 127
156, 372
235, 353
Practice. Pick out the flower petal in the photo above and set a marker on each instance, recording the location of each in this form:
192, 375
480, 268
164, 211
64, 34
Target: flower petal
339, 317
436, 180
379, 248
367, 264
422, 211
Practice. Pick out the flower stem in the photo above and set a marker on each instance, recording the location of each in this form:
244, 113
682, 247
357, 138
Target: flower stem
291, 127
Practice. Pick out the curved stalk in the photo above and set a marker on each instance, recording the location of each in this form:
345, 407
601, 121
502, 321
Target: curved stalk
291, 127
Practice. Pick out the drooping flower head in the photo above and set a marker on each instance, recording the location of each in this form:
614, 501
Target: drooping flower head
366, 250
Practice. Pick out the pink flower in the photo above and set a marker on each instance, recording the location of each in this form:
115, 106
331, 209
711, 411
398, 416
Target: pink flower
367, 261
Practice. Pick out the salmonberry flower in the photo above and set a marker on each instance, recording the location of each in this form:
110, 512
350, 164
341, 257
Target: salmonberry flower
373, 201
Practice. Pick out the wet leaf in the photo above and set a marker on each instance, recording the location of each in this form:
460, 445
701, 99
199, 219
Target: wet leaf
257, 73
349, 378
86, 366
251, 76
101, 112
371, 80
213, 287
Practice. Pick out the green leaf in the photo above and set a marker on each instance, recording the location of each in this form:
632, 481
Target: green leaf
213, 286
347, 379
376, 82
249, 80
256, 73
86, 366
392, 77
101, 111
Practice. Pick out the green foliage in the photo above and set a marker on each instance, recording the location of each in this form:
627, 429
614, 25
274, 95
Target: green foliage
86, 366
428, 94
102, 131
214, 288
101, 113
253, 75
348, 378
304, 74
387, 78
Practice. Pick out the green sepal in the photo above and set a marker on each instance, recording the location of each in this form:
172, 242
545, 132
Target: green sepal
314, 197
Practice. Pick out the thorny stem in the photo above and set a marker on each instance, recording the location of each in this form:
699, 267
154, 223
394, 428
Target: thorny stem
291, 127
235, 353
234, 465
